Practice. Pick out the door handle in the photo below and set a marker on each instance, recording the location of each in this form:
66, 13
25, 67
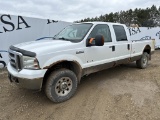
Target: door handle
113, 48
128, 46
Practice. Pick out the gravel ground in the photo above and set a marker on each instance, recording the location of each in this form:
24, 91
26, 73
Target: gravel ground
121, 93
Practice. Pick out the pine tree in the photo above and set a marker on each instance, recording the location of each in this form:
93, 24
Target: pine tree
149, 17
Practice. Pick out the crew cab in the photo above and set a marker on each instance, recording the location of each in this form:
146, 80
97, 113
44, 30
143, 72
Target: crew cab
57, 64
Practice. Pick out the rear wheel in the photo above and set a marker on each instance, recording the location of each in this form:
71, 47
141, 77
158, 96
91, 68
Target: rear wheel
143, 61
61, 85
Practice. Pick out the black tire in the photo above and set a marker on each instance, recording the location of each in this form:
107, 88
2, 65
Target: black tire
61, 85
142, 63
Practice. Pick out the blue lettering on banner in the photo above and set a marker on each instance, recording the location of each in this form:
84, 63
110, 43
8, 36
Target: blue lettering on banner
6, 20
146, 38
51, 21
134, 30
158, 34
1, 61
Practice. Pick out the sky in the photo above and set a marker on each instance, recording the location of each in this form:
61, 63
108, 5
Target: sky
70, 10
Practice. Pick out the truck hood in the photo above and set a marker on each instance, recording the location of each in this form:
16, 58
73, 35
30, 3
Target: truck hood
45, 46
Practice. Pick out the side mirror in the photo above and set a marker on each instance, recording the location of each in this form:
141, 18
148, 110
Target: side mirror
99, 40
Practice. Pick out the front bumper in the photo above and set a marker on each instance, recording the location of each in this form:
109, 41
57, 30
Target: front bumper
29, 79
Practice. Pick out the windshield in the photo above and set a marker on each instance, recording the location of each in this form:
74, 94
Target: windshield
74, 32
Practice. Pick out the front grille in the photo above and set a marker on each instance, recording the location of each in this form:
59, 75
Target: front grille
16, 60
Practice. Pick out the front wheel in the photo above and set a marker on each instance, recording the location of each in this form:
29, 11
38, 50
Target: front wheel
61, 85
143, 61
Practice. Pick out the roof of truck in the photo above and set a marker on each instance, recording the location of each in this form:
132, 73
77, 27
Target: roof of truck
111, 23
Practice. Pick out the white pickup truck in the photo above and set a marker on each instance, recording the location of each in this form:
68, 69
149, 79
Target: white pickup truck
58, 64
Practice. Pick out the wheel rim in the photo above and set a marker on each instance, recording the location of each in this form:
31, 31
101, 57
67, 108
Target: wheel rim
145, 60
63, 86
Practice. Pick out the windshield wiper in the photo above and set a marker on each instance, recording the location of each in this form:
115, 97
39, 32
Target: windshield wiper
62, 38
53, 38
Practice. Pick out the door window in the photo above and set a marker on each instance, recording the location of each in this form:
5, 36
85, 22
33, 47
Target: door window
120, 33
101, 29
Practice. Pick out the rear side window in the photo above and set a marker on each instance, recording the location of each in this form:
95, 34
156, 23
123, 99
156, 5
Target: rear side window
120, 33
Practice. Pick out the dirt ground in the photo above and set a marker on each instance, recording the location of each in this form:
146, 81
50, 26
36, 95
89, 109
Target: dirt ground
121, 93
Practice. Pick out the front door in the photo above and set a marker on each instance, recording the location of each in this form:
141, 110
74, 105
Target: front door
100, 57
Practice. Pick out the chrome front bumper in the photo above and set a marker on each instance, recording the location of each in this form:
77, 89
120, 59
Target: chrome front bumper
29, 79
33, 84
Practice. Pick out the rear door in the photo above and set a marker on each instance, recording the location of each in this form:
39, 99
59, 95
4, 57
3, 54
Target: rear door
122, 44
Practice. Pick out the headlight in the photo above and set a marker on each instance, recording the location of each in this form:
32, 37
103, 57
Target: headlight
30, 62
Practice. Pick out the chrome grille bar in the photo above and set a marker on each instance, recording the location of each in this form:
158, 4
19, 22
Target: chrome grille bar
16, 60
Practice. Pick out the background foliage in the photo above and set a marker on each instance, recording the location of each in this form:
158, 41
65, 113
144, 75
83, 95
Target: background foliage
149, 17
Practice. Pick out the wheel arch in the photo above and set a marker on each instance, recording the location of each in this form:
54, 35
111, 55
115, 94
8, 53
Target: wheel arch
147, 49
71, 65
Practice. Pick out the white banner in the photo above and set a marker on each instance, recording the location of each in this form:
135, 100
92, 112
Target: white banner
145, 33
18, 29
